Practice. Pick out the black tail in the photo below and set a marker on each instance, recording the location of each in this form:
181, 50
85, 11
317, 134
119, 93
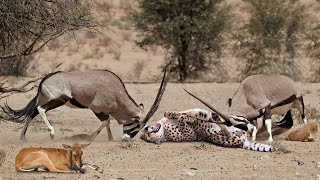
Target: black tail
286, 122
30, 110
22, 114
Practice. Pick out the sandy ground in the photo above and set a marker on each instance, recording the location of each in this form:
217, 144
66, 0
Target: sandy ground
140, 160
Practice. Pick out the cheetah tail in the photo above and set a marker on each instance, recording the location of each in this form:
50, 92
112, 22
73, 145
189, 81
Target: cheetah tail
255, 146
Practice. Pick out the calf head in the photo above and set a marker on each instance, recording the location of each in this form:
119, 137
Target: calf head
76, 156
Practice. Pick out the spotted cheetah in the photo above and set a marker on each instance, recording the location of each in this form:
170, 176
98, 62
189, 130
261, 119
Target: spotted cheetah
199, 125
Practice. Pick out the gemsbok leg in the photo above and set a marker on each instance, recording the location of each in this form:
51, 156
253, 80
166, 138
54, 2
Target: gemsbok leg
105, 120
54, 103
299, 104
267, 121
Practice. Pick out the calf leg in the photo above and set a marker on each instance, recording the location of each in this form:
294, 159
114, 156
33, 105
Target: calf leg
105, 120
38, 159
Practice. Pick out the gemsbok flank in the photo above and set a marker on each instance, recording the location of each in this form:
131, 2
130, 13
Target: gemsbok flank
51, 159
102, 91
262, 95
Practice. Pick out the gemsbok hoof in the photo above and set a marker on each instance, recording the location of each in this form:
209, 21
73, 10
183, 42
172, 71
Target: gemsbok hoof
52, 136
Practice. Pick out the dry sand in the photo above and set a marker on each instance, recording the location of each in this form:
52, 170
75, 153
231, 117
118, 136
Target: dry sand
140, 160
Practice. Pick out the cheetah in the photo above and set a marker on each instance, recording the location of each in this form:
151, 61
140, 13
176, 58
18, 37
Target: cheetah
199, 125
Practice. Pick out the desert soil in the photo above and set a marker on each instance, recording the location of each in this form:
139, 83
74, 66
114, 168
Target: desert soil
141, 160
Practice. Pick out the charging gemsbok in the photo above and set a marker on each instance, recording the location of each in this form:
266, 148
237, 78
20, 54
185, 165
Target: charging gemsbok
262, 95
102, 91
52, 159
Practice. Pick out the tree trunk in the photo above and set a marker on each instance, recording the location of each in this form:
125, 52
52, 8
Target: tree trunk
183, 74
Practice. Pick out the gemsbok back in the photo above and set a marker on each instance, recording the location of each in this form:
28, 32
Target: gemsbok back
102, 91
262, 95
51, 159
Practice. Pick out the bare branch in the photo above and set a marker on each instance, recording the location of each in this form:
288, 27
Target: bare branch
20, 88
27, 26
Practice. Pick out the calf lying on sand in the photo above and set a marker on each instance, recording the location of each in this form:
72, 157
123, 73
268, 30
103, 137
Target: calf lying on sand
51, 159
199, 125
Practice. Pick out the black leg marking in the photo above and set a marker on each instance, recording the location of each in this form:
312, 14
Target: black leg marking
284, 102
76, 103
54, 103
104, 118
267, 113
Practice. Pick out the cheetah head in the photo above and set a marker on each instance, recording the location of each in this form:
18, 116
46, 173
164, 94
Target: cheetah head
153, 134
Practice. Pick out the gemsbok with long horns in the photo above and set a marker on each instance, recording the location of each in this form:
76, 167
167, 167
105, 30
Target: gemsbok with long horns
102, 91
262, 95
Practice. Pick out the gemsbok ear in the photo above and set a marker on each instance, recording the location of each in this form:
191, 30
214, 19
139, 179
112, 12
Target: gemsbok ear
141, 106
85, 145
67, 146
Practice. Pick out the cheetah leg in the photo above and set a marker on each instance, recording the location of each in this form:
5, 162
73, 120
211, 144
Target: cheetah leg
184, 125
186, 119
172, 114
196, 114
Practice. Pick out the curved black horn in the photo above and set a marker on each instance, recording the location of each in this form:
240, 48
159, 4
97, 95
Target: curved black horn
157, 101
225, 117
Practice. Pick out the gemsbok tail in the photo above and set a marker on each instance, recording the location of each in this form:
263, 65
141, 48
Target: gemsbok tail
30, 110
255, 146
20, 115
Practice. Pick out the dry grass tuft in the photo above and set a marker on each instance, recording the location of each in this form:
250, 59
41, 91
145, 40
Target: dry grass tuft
200, 145
129, 145
279, 147
2, 156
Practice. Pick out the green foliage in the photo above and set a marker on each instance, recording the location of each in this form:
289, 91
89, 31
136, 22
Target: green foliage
269, 41
313, 50
191, 32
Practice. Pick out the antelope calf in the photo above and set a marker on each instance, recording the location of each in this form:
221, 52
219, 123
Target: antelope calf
51, 159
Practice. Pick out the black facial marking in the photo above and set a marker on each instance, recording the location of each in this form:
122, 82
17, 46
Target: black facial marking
242, 126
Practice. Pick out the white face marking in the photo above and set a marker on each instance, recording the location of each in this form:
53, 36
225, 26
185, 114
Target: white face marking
305, 120
238, 118
126, 137
253, 129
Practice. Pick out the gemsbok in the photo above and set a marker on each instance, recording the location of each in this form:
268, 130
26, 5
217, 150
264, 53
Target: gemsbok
102, 91
51, 159
262, 95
